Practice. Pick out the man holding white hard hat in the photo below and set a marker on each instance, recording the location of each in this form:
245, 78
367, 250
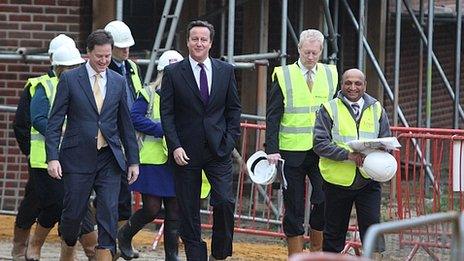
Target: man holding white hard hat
352, 115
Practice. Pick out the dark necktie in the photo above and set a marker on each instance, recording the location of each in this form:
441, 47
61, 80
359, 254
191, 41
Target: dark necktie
203, 84
355, 108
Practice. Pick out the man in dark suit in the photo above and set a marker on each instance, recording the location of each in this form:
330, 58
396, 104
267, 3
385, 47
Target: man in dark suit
200, 114
90, 155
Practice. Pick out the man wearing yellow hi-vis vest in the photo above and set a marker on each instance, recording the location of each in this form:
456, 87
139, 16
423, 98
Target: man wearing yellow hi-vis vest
352, 115
298, 91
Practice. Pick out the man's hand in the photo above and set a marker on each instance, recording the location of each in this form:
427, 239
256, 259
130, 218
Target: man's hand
357, 157
132, 173
180, 156
54, 169
273, 158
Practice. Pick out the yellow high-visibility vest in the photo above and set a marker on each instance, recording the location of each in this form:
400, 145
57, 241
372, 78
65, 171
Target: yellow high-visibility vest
344, 130
205, 186
153, 150
300, 104
38, 158
135, 77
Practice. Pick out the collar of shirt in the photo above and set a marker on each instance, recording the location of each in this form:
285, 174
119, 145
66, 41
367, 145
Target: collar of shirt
360, 102
196, 71
118, 63
91, 74
305, 70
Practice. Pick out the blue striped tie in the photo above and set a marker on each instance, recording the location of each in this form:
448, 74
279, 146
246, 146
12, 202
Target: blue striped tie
355, 108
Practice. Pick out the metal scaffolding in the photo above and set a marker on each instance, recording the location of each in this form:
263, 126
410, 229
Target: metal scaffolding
331, 11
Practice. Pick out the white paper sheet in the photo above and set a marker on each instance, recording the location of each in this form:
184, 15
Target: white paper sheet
387, 143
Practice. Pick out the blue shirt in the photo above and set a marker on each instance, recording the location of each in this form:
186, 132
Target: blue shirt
40, 106
141, 122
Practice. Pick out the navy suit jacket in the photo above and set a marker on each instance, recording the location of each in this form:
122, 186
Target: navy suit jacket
74, 99
187, 123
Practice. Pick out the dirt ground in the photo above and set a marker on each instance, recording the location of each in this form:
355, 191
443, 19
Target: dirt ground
245, 247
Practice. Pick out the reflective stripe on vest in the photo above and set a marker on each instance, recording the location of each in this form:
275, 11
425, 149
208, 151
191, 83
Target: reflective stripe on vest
301, 105
345, 129
136, 82
37, 157
153, 150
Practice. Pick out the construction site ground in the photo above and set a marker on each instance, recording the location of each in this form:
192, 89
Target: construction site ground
246, 247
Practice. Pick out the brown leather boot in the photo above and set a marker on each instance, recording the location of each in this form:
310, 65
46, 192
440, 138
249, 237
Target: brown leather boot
20, 239
316, 237
89, 243
295, 245
36, 242
104, 255
68, 253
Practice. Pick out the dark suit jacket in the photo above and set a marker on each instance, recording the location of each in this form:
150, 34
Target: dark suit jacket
187, 123
22, 122
74, 98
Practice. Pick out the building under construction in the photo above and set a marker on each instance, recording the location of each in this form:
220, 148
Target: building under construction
410, 51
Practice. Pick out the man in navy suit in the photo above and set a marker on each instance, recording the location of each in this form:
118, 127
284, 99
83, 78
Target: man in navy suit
200, 114
90, 155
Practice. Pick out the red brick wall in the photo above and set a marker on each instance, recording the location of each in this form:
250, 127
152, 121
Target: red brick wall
30, 24
444, 48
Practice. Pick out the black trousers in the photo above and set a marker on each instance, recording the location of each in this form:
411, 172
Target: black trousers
125, 199
50, 195
187, 181
28, 209
77, 188
294, 196
338, 204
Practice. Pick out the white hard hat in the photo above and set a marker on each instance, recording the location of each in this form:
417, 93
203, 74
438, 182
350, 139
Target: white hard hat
59, 41
67, 56
121, 33
259, 169
379, 165
167, 58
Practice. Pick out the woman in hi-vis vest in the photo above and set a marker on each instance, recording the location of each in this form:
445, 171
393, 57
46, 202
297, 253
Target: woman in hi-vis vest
155, 181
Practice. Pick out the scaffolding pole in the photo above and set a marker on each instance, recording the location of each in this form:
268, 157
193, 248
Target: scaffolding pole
230, 32
283, 37
397, 62
457, 68
361, 34
119, 9
332, 37
222, 36
420, 82
428, 96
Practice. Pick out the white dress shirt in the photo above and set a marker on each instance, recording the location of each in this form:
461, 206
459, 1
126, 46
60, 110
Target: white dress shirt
102, 82
360, 102
304, 70
196, 71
